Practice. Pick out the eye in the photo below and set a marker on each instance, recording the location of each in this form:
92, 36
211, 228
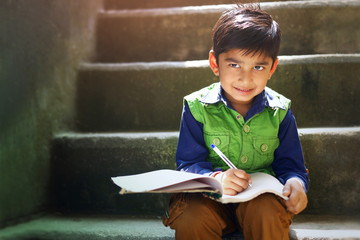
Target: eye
234, 65
259, 68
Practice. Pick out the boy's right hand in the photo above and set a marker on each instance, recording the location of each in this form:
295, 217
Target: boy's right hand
234, 181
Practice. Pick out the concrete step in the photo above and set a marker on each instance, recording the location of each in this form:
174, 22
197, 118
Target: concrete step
184, 33
84, 163
325, 90
55, 227
146, 4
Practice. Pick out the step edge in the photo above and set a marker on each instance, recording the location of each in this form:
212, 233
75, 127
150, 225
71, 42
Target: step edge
329, 131
206, 9
320, 58
116, 226
327, 234
125, 135
143, 65
175, 134
283, 60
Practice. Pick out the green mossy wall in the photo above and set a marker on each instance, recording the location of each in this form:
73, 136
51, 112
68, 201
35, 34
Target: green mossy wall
41, 45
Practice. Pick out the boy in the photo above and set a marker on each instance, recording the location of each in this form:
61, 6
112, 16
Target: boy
251, 124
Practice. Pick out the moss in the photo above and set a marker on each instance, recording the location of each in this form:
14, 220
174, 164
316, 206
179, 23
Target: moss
42, 43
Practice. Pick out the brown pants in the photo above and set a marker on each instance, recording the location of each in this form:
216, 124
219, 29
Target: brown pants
194, 216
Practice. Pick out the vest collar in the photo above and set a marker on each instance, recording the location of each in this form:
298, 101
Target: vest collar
264, 99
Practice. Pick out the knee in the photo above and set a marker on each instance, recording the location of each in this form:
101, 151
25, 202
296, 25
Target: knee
269, 216
266, 204
266, 207
197, 217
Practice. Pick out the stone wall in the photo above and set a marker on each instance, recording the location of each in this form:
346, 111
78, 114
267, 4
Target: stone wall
41, 44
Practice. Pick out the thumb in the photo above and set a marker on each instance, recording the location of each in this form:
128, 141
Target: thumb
287, 190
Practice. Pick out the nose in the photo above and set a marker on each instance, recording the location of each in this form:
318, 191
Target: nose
245, 75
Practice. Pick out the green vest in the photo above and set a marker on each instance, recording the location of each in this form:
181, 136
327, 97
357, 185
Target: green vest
249, 145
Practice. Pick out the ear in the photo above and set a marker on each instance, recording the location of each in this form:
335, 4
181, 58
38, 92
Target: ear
213, 63
274, 66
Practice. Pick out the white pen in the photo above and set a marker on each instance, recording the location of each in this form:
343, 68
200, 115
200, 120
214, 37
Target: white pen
224, 158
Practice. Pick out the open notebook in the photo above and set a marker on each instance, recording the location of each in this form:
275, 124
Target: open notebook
171, 181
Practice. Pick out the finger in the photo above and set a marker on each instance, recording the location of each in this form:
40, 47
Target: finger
229, 191
300, 204
231, 182
235, 187
234, 179
243, 183
291, 205
296, 204
295, 208
243, 175
286, 191
292, 210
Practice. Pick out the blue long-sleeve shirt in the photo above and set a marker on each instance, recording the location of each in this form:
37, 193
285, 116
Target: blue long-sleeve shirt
191, 154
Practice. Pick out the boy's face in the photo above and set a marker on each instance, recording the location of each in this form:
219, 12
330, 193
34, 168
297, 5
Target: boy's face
242, 76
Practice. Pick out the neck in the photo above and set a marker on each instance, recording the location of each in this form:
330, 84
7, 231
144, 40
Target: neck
242, 108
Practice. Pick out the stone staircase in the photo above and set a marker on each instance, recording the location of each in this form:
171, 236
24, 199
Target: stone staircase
129, 104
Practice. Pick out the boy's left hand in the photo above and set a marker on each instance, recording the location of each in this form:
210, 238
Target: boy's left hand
297, 197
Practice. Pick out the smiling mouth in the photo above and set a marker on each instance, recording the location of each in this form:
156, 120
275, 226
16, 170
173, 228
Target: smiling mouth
243, 91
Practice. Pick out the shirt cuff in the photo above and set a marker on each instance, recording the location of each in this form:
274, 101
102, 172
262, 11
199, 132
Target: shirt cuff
215, 173
300, 181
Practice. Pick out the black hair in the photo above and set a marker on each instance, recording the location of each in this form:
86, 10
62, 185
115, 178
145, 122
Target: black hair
247, 27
